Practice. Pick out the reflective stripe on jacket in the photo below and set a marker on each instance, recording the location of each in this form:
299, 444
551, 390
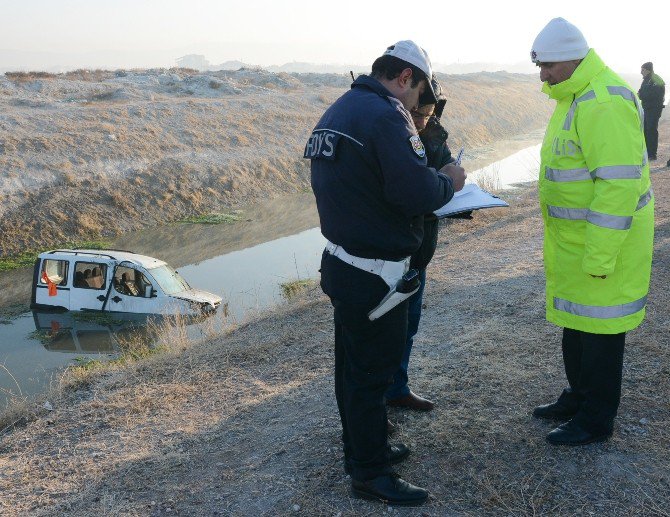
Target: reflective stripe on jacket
597, 203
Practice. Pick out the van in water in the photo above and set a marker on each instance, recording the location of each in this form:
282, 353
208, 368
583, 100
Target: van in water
113, 281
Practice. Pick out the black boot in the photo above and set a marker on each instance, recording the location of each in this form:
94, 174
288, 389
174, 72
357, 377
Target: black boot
397, 453
391, 490
563, 409
571, 433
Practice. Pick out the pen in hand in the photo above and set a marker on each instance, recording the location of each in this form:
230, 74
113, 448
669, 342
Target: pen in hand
459, 156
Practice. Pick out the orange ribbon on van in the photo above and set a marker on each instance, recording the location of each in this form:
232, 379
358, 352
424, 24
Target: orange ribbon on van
53, 291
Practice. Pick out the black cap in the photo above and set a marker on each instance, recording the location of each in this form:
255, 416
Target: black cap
434, 96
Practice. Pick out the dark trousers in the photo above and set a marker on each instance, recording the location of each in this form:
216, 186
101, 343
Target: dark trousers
593, 365
399, 387
367, 354
651, 132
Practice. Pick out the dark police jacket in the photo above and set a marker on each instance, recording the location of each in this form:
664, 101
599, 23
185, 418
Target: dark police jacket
369, 174
652, 93
438, 154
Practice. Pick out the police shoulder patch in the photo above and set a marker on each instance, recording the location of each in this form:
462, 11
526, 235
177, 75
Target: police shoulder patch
417, 146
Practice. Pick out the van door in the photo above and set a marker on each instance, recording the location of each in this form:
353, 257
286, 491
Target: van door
133, 291
52, 287
90, 282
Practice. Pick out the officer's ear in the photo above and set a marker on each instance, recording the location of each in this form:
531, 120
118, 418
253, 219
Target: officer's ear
405, 78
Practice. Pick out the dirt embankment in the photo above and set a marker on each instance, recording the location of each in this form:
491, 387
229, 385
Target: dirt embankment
246, 423
92, 155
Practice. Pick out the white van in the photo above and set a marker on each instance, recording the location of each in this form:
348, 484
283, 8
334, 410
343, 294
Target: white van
113, 281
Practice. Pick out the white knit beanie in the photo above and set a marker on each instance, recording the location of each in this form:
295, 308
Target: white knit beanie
559, 41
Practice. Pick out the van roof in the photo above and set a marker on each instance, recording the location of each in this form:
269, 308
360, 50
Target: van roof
117, 255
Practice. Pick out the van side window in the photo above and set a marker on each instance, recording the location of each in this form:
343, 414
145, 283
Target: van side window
130, 282
89, 275
55, 271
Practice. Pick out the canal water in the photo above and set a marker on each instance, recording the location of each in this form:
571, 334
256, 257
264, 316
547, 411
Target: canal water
520, 167
246, 262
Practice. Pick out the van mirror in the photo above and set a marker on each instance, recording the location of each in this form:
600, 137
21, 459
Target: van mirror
149, 291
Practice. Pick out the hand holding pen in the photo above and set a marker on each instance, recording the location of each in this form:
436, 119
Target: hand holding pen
459, 156
454, 171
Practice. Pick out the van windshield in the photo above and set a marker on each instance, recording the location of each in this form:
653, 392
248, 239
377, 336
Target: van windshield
169, 280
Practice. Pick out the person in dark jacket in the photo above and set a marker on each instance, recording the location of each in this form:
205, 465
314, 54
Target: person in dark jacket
652, 95
372, 187
426, 119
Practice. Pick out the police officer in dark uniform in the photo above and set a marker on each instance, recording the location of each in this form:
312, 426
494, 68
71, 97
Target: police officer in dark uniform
372, 189
652, 95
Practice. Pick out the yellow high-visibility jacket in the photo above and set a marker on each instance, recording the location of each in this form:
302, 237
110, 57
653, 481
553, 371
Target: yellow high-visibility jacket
597, 203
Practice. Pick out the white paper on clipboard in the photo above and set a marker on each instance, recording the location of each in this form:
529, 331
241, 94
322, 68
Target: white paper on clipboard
471, 197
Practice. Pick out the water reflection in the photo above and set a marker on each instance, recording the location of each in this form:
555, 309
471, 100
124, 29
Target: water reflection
182, 244
250, 279
89, 333
38, 345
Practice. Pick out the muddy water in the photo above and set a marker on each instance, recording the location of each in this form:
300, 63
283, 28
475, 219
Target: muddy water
245, 262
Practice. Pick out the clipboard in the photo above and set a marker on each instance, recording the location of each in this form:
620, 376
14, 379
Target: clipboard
471, 197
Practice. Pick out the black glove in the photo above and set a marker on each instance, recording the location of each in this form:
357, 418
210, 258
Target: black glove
461, 215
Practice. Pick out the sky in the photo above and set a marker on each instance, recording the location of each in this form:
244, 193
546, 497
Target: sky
133, 33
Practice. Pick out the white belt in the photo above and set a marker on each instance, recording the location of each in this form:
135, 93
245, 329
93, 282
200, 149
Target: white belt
388, 270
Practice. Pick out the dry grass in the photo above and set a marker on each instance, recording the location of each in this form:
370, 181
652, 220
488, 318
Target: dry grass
166, 336
118, 200
75, 75
246, 423
69, 178
489, 179
293, 288
184, 71
88, 75
22, 77
325, 99
249, 142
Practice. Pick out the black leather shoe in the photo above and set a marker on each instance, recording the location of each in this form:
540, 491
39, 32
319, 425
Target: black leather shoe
391, 490
397, 453
556, 411
571, 433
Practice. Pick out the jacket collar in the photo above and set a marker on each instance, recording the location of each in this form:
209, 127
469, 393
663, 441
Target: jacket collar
590, 66
371, 83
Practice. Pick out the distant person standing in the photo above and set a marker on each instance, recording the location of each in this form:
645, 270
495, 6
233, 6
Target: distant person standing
598, 211
652, 95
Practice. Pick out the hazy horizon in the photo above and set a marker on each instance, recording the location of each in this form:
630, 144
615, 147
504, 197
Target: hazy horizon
68, 34
16, 61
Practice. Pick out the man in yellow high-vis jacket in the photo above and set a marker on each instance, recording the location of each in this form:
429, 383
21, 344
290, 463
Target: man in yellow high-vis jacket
598, 211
